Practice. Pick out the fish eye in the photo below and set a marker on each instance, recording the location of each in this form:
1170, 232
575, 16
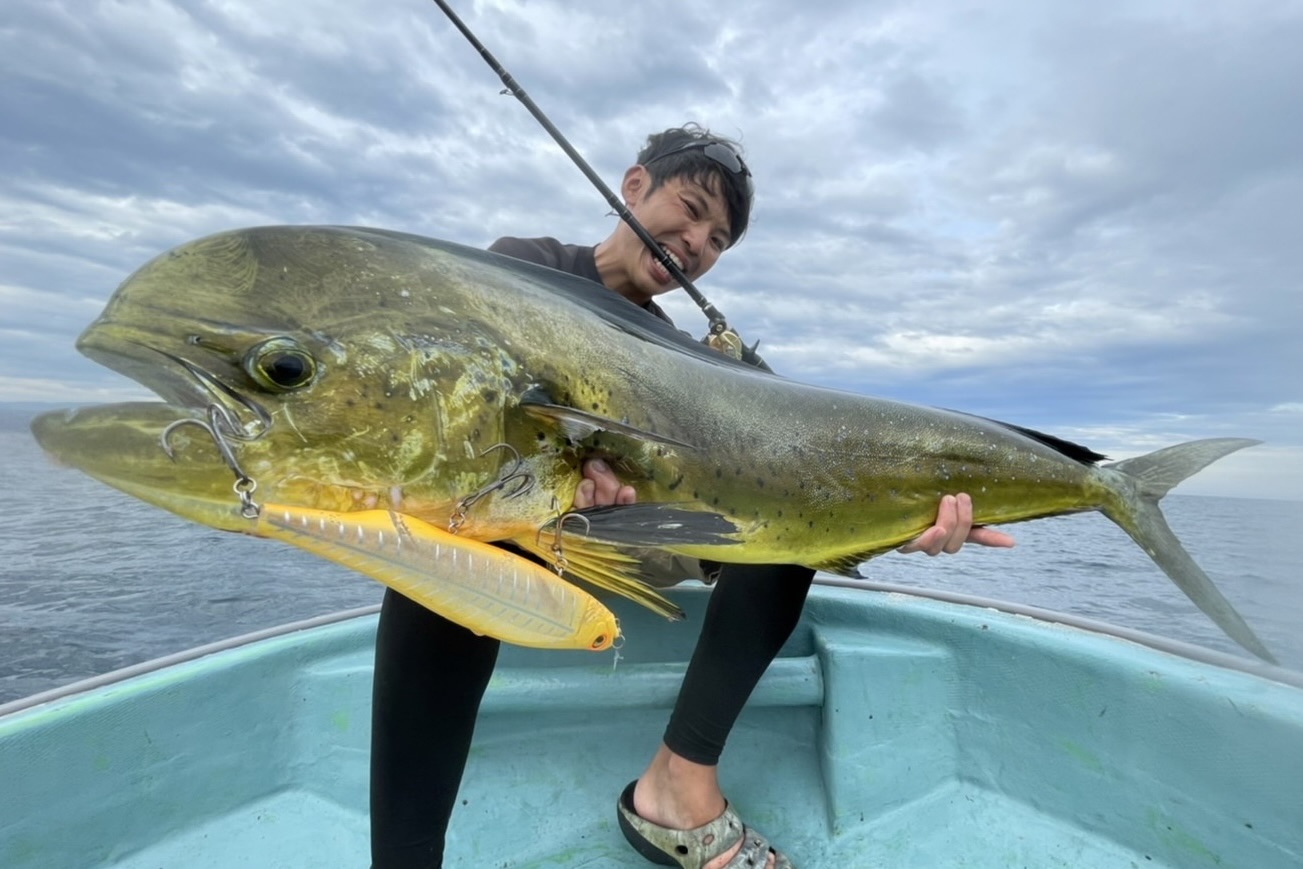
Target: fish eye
599, 642
281, 365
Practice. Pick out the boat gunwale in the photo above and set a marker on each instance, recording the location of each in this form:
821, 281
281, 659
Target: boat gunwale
1189, 651
153, 665
1179, 648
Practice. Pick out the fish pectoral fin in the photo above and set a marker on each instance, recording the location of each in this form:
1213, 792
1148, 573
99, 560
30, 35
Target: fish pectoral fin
649, 524
605, 567
578, 424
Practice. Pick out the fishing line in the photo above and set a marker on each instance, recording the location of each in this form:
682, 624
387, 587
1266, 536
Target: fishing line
718, 325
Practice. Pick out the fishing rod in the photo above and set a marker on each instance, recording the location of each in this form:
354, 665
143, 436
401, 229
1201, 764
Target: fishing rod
722, 337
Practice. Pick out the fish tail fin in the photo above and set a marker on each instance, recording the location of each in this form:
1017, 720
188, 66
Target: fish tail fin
1134, 508
1157, 473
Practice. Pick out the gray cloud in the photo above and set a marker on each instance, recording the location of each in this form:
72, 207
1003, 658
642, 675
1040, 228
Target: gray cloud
1079, 220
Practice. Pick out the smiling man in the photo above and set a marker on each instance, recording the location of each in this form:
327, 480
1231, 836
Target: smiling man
692, 192
682, 198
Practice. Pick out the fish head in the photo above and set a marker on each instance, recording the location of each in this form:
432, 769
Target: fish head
326, 359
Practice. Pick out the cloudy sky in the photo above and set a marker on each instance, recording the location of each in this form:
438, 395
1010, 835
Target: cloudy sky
1083, 218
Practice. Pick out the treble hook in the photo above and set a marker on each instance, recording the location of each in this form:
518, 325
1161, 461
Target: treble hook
220, 426
558, 550
513, 474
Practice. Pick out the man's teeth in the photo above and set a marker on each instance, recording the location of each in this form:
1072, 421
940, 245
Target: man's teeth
673, 258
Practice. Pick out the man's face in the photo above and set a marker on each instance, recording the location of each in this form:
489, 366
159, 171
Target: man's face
689, 221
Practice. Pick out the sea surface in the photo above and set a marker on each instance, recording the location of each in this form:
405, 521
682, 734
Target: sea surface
92, 580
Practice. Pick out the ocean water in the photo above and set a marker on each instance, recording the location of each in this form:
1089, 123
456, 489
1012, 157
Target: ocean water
92, 580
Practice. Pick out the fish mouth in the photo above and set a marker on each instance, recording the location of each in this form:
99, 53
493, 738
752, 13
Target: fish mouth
173, 453
122, 445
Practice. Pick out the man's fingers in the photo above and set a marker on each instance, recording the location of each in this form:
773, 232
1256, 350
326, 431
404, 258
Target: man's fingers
606, 486
600, 487
929, 541
584, 494
958, 532
983, 536
944, 530
954, 527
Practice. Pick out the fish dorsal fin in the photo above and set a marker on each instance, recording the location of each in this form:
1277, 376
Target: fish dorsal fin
578, 424
1076, 452
1085, 455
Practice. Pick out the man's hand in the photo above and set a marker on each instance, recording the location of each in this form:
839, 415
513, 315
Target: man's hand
954, 528
601, 488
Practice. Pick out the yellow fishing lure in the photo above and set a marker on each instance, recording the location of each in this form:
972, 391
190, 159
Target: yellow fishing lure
486, 589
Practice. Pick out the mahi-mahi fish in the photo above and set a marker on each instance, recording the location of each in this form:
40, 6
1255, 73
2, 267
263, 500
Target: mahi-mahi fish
392, 402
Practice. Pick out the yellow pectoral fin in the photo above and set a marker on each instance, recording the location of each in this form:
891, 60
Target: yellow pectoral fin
606, 567
486, 589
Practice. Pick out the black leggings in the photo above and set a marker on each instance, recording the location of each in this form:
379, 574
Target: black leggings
430, 675
751, 613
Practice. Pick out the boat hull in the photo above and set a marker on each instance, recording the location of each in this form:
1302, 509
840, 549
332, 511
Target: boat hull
895, 730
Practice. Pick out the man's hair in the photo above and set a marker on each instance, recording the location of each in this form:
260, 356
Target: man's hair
664, 161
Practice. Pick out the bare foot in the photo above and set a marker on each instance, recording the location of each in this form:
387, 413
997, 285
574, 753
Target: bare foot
680, 794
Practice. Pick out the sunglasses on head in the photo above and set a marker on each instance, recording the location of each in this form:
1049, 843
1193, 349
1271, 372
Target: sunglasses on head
721, 154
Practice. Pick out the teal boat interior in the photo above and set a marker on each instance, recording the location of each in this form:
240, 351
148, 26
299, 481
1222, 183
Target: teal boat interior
896, 730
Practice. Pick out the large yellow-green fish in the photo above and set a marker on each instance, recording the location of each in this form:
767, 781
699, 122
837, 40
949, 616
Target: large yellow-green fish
444, 394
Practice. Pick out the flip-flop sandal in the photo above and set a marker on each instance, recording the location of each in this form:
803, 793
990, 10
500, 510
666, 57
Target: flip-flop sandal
692, 849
